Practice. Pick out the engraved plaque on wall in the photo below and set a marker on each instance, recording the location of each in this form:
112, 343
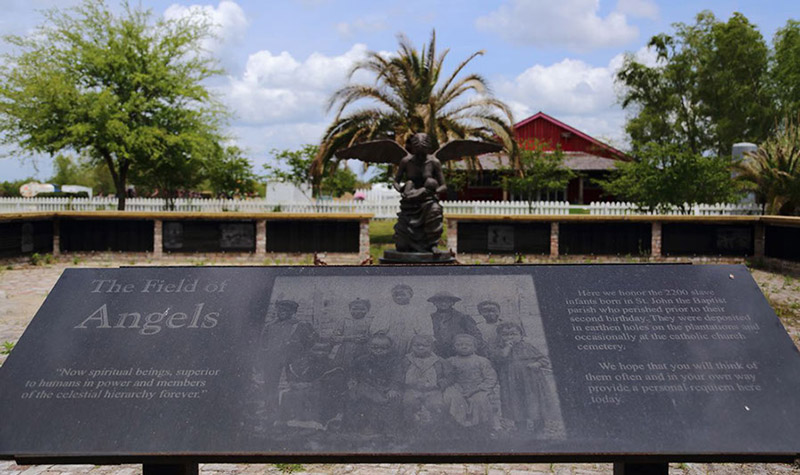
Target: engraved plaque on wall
237, 236
732, 239
500, 238
26, 238
173, 235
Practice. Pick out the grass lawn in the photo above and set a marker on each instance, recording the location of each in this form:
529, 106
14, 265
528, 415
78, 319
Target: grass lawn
578, 211
381, 237
381, 231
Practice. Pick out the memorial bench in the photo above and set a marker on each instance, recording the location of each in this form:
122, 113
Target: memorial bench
639, 365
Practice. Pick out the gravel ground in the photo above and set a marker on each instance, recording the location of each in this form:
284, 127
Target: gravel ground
23, 288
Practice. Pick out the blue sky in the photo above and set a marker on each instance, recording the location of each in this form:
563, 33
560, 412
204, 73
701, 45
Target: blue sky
283, 58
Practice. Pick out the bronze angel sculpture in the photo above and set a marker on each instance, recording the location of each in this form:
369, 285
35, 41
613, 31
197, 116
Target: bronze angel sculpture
419, 179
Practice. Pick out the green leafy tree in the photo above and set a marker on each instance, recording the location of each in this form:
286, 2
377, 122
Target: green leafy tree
342, 180
412, 93
539, 170
665, 177
709, 89
229, 172
68, 172
176, 168
80, 171
294, 166
786, 68
11, 188
457, 179
773, 171
127, 91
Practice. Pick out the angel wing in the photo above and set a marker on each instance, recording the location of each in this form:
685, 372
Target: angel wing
376, 151
456, 149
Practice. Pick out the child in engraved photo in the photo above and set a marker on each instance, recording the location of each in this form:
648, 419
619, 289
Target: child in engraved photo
490, 313
283, 340
375, 400
315, 389
523, 387
424, 379
353, 333
473, 380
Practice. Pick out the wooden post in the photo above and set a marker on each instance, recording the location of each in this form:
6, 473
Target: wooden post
627, 468
554, 239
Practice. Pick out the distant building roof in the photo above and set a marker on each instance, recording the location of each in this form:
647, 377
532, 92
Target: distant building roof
581, 161
578, 161
551, 131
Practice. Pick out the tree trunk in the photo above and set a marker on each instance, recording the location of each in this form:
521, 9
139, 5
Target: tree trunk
122, 193
118, 178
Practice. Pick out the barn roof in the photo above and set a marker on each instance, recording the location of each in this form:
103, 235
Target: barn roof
581, 161
596, 146
578, 161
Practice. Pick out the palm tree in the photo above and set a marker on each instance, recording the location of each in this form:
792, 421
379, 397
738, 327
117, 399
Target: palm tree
773, 171
408, 97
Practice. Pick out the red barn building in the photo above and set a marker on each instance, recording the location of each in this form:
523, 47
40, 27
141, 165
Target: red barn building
585, 155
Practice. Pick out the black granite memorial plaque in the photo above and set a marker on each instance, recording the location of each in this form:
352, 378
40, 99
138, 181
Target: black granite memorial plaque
558, 362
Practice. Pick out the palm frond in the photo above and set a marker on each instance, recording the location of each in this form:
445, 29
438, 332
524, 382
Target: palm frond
407, 97
457, 71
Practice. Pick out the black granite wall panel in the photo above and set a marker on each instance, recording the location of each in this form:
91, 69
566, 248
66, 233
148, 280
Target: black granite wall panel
312, 236
683, 239
106, 235
19, 238
782, 242
605, 238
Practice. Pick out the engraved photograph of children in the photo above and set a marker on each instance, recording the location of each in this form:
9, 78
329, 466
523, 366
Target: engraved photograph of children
404, 362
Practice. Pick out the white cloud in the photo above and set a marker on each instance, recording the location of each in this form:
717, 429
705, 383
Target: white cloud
229, 20
574, 24
638, 8
572, 91
277, 88
568, 87
260, 140
361, 26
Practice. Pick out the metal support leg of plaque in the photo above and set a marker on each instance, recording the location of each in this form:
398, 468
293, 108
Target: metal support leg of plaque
627, 468
188, 468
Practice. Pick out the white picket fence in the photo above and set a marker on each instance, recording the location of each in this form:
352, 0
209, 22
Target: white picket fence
721, 209
513, 208
380, 208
